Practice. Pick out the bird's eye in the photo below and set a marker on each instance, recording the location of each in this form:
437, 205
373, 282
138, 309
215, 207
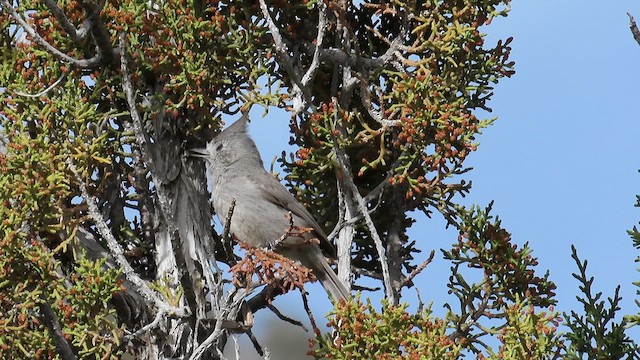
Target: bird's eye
219, 147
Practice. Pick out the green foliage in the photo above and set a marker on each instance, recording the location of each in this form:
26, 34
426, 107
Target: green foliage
529, 335
362, 332
432, 91
594, 334
505, 301
634, 320
192, 63
507, 271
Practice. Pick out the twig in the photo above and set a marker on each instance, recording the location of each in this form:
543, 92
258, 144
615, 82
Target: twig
141, 136
362, 208
365, 95
226, 240
84, 63
150, 326
343, 223
283, 317
464, 328
305, 302
256, 345
416, 271
365, 272
208, 342
64, 22
49, 88
357, 287
634, 28
287, 232
228, 310
315, 62
298, 90
100, 33
118, 253
420, 303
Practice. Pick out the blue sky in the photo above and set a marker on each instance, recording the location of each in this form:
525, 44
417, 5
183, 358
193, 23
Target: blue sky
561, 162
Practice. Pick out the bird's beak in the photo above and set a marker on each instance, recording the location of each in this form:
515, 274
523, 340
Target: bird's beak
199, 153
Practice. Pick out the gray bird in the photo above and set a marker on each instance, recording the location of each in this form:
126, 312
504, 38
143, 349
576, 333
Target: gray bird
262, 204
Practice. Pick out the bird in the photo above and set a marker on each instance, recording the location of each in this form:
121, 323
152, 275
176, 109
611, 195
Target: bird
262, 204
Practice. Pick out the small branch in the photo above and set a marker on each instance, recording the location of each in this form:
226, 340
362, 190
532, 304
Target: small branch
416, 271
634, 28
209, 341
256, 345
365, 95
50, 319
63, 20
49, 88
305, 302
88, 63
420, 303
261, 300
226, 240
315, 63
285, 318
345, 168
365, 272
343, 223
152, 325
464, 328
361, 288
299, 90
227, 310
142, 138
98, 29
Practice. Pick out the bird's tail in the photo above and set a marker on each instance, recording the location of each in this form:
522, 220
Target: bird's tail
329, 280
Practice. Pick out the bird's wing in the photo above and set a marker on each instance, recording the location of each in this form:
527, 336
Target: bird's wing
274, 192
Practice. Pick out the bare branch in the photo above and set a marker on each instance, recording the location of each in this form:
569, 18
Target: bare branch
285, 318
88, 63
49, 88
305, 302
50, 319
416, 271
160, 315
229, 310
345, 168
299, 90
365, 95
315, 63
98, 29
634, 28
141, 136
473, 318
226, 240
64, 22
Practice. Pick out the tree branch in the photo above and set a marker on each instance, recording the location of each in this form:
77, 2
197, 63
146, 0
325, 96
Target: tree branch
634, 28
49, 88
64, 22
118, 253
416, 271
50, 319
98, 30
345, 168
299, 89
